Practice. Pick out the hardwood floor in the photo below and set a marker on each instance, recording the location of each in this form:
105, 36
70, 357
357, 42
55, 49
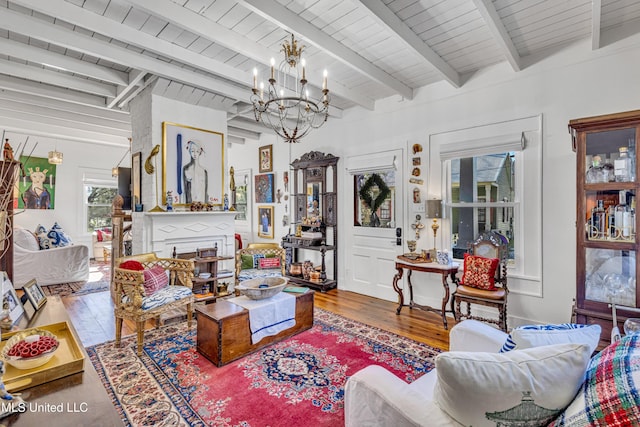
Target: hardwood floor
92, 316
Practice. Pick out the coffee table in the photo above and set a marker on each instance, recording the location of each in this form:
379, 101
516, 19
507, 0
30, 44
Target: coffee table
223, 333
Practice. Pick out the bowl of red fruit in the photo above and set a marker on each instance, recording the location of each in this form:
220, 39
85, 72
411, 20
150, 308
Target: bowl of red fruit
30, 349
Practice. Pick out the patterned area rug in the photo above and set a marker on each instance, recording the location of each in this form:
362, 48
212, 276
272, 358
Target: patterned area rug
299, 381
99, 280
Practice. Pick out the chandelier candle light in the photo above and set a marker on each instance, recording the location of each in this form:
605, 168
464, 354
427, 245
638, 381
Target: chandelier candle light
287, 108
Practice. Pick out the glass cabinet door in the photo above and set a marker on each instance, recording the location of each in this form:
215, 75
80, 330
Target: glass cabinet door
610, 156
611, 276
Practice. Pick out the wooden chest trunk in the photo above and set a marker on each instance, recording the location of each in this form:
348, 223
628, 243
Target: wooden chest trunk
224, 334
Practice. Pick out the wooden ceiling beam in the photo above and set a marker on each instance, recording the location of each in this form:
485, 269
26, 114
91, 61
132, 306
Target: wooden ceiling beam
499, 32
385, 16
280, 15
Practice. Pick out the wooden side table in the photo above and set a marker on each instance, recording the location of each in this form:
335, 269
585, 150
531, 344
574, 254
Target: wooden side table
425, 267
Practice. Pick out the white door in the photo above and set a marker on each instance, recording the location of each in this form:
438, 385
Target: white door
371, 250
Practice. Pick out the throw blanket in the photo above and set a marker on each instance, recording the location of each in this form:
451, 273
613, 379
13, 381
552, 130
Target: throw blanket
269, 316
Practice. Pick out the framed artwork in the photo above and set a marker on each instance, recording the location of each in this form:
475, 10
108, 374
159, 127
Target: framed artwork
136, 164
265, 154
192, 165
37, 184
16, 310
264, 188
265, 222
34, 293
243, 196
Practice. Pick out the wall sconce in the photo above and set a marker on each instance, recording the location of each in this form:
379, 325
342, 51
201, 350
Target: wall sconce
55, 157
434, 210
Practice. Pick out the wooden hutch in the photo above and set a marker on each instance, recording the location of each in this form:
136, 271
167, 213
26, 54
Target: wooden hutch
315, 181
607, 242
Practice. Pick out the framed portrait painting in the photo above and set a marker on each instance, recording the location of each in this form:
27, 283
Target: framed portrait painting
265, 222
265, 154
264, 188
35, 294
37, 184
192, 165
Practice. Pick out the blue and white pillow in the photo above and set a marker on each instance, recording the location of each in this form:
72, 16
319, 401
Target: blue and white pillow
529, 336
43, 239
256, 260
58, 237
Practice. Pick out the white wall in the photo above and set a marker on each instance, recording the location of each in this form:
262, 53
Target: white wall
148, 111
78, 158
572, 83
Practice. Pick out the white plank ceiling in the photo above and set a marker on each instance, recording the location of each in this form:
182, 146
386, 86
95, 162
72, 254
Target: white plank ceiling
71, 67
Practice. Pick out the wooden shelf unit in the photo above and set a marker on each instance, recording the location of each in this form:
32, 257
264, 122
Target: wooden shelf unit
315, 192
206, 289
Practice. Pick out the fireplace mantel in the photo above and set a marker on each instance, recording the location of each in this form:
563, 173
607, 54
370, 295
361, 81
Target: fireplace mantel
188, 231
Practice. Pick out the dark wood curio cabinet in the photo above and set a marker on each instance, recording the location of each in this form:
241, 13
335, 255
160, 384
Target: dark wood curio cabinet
606, 241
315, 216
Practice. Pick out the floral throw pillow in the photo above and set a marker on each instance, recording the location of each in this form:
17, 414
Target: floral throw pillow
479, 272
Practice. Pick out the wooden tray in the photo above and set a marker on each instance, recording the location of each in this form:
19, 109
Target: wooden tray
413, 261
68, 359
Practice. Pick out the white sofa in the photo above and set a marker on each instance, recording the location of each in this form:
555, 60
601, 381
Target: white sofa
473, 371
376, 397
48, 266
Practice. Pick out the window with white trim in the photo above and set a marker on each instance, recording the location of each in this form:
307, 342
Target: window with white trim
484, 188
482, 197
98, 194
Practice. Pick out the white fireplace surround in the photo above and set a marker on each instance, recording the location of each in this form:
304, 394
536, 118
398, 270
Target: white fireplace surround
187, 231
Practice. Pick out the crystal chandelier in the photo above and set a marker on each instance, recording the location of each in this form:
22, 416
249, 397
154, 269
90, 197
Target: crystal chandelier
288, 108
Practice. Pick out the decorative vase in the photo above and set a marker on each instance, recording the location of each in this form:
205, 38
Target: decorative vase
443, 257
295, 269
307, 267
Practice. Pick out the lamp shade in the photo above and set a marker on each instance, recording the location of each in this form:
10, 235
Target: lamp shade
434, 208
55, 157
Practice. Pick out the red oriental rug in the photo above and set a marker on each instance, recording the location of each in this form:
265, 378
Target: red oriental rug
297, 382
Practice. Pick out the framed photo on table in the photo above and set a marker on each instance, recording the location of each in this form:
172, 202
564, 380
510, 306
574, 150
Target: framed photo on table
265, 222
16, 310
34, 294
265, 155
192, 165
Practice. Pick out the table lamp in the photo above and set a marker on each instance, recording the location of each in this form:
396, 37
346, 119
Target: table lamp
434, 210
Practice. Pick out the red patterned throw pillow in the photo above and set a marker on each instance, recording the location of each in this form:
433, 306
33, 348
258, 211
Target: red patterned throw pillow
268, 263
155, 279
479, 272
132, 265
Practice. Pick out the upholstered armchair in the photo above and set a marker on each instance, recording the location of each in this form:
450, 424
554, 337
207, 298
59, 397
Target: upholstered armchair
167, 286
248, 264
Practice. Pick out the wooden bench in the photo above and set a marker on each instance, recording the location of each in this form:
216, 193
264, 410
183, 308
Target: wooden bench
223, 333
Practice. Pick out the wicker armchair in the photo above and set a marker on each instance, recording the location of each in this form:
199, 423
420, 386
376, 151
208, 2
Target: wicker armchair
131, 302
267, 250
